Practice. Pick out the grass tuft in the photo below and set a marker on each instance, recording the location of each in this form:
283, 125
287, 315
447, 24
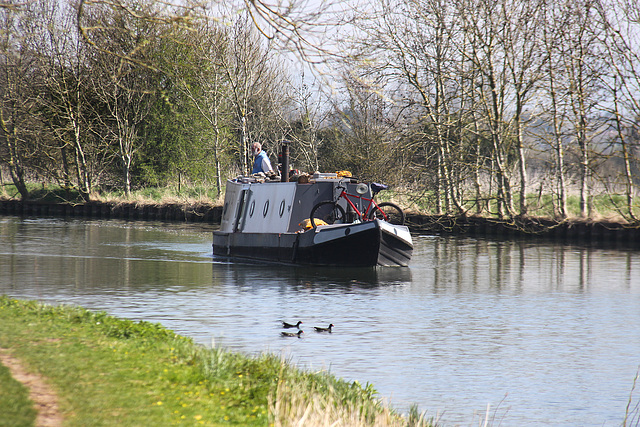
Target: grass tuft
296, 403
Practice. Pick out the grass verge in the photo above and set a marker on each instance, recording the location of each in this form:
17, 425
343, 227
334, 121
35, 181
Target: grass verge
15, 406
51, 193
610, 206
109, 371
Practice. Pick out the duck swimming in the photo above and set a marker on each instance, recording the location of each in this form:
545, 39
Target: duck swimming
292, 334
289, 325
318, 329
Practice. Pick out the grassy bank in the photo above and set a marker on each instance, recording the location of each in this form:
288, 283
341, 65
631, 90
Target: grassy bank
51, 193
602, 205
109, 371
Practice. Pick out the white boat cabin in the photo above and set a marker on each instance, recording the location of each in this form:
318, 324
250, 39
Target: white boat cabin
251, 206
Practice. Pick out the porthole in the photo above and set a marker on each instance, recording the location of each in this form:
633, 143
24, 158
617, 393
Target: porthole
281, 209
252, 207
265, 210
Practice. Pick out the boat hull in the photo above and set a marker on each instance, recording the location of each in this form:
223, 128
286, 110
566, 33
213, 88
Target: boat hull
366, 244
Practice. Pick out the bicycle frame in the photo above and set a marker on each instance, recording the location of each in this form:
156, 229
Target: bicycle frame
361, 215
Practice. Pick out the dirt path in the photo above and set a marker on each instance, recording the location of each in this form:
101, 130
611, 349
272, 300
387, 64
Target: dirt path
44, 399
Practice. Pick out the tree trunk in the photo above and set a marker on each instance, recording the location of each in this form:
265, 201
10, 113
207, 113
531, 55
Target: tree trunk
559, 149
584, 169
500, 200
562, 186
439, 185
66, 175
505, 198
216, 159
244, 151
126, 174
82, 172
477, 165
625, 157
17, 176
15, 163
522, 165
454, 193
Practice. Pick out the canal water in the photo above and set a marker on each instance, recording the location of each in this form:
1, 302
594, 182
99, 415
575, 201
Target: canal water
524, 333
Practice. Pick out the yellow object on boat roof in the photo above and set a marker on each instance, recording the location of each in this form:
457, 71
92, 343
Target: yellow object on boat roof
306, 223
344, 174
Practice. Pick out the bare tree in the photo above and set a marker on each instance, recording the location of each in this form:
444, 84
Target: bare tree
621, 23
581, 61
487, 54
201, 76
18, 78
126, 86
309, 114
526, 64
367, 142
410, 43
67, 105
554, 100
255, 82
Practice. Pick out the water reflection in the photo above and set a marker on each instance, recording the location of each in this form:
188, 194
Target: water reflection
248, 275
520, 266
549, 332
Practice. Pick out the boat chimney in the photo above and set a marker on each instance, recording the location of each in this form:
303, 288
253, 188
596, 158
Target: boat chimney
284, 172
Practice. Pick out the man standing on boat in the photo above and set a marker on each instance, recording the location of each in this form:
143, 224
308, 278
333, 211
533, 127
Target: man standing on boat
261, 163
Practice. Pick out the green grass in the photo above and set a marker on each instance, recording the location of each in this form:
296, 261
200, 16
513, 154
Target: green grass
611, 206
109, 371
57, 194
15, 406
42, 192
190, 194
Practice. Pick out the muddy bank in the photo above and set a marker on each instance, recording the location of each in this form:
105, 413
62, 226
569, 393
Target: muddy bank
599, 232
106, 210
606, 233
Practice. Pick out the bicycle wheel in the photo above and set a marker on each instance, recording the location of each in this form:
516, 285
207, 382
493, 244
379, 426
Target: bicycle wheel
389, 212
326, 212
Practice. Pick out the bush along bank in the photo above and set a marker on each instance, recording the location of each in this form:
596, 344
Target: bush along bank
109, 371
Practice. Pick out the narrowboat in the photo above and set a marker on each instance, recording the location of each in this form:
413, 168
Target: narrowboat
270, 221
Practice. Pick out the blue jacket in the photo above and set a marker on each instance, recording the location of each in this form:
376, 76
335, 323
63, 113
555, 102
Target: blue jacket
257, 163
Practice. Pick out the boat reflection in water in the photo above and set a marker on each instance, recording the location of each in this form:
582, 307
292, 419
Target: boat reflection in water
346, 279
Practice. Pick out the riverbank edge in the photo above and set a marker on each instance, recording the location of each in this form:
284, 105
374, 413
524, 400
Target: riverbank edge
185, 212
167, 376
602, 232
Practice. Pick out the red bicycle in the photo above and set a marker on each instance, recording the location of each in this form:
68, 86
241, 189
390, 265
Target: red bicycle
330, 212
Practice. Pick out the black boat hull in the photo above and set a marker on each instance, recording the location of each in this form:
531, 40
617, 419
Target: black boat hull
366, 244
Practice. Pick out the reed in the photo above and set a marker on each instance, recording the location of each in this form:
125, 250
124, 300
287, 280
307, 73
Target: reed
304, 404
632, 410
